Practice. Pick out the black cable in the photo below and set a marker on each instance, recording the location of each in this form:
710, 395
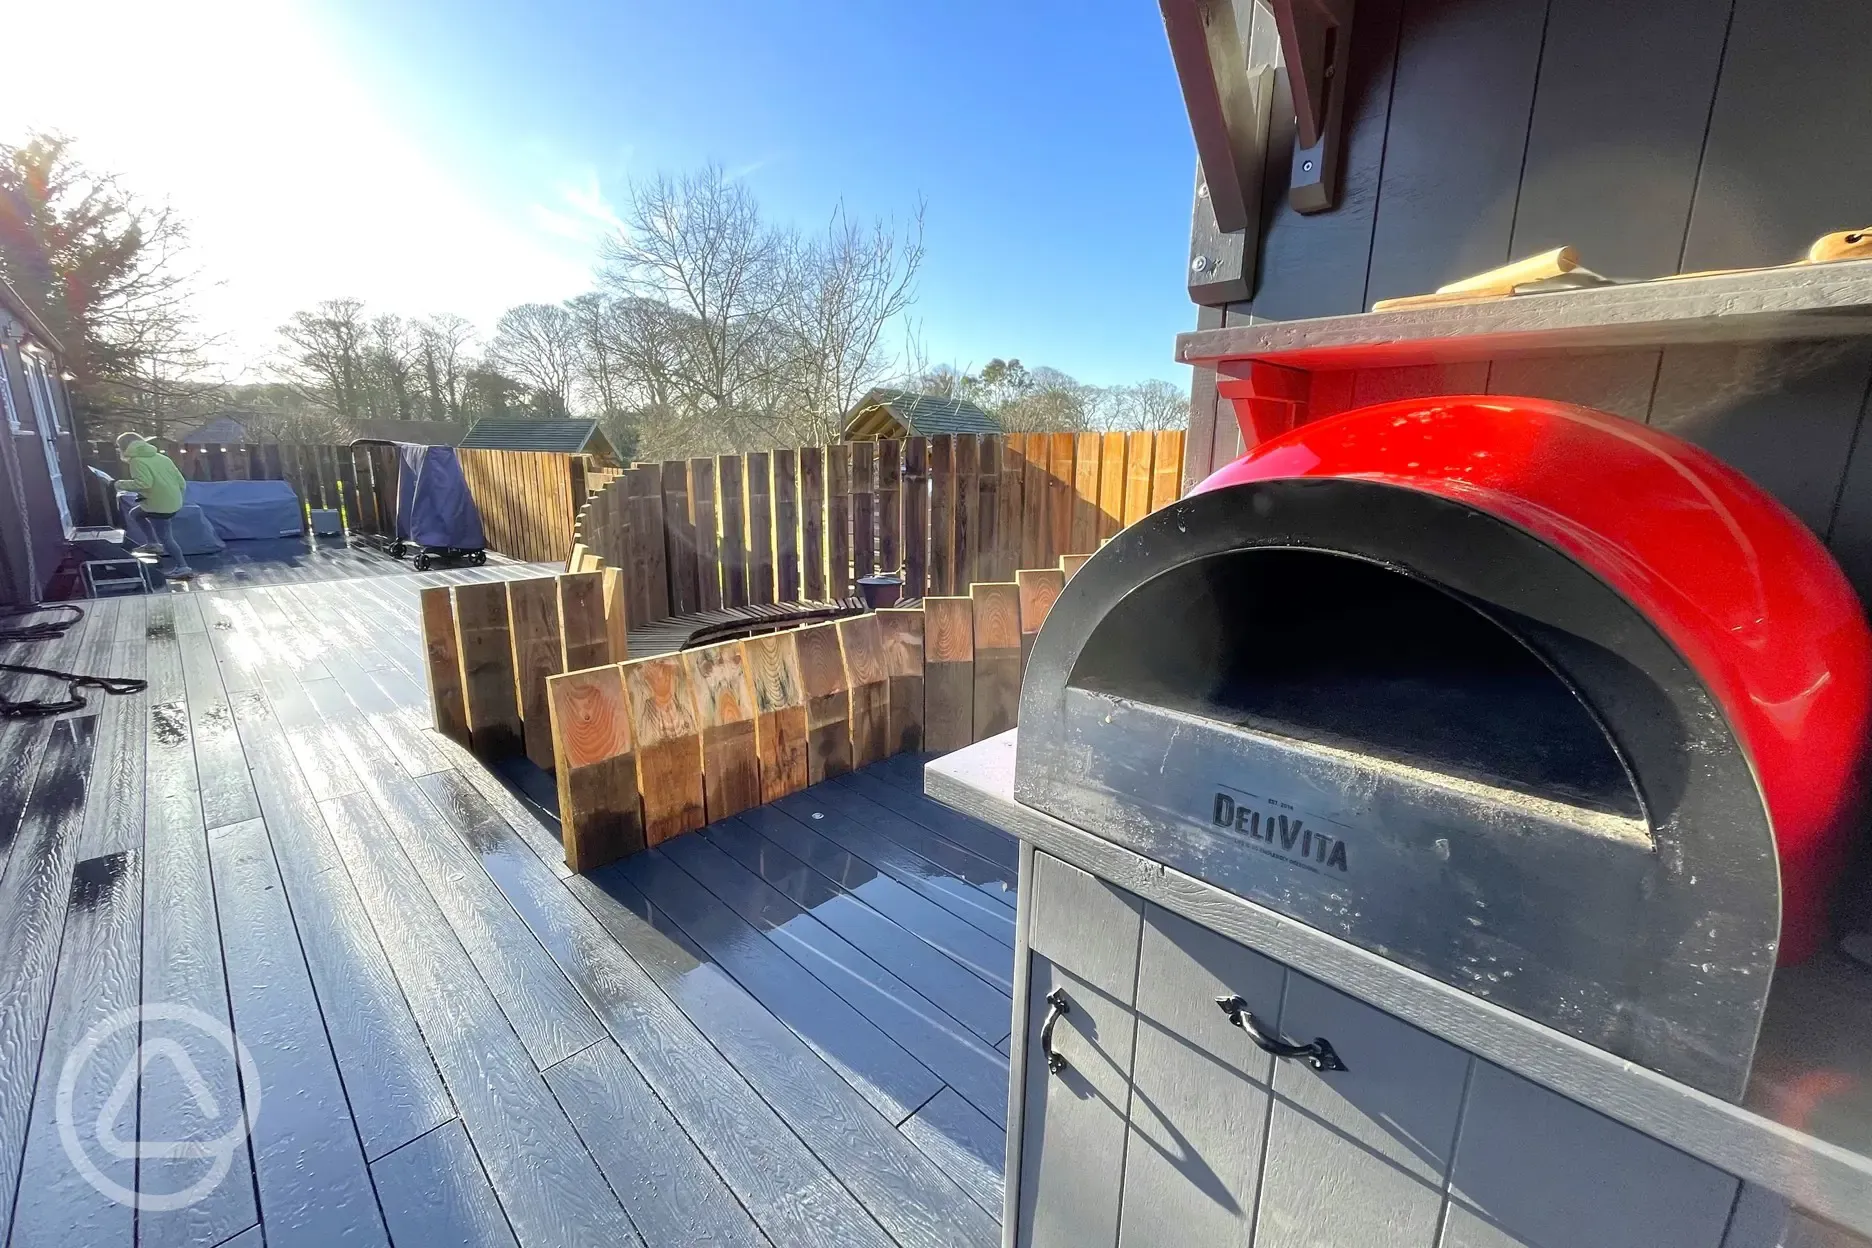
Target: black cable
35, 708
51, 630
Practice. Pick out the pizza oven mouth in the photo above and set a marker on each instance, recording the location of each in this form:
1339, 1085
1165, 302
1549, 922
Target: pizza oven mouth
1411, 723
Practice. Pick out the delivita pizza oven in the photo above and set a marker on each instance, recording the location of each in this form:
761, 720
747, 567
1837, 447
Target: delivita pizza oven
1549, 706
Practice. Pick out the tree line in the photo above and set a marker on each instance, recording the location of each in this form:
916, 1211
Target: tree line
709, 329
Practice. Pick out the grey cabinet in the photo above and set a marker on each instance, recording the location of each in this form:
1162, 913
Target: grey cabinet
1168, 1126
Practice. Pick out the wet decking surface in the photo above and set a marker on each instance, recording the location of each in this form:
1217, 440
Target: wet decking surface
376, 1009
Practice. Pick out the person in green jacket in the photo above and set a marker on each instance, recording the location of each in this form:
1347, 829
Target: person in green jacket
159, 484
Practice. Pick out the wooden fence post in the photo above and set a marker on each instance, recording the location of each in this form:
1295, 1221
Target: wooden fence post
584, 632
863, 509
868, 688
538, 652
967, 511
1137, 503
708, 554
942, 548
600, 813
487, 677
838, 520
786, 525
760, 527
916, 512
902, 632
997, 656
780, 724
948, 673
828, 706
669, 746
889, 490
443, 664
725, 707
679, 530
1038, 588
733, 533
812, 522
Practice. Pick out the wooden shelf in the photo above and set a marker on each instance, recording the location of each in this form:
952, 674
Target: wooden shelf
1804, 1129
1806, 302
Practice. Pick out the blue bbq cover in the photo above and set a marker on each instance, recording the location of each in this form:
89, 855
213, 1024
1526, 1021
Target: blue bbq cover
192, 531
434, 507
248, 509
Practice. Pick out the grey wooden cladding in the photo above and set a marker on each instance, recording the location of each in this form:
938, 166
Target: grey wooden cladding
1167, 1126
1721, 153
1072, 1149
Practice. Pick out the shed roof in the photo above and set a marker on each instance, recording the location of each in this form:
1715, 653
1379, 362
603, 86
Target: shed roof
11, 301
221, 431
525, 433
885, 412
420, 432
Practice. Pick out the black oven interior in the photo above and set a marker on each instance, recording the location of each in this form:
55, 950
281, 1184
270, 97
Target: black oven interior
1344, 652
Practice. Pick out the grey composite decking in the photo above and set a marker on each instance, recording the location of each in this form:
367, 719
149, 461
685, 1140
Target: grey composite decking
787, 1029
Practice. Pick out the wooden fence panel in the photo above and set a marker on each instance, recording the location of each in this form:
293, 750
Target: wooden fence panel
649, 523
812, 521
707, 548
1034, 514
347, 484
988, 508
733, 532
235, 459
916, 512
1167, 473
680, 537
1008, 521
1085, 522
997, 644
786, 525
1060, 492
364, 516
838, 520
760, 527
942, 577
967, 515
864, 508
1111, 484
889, 505
1137, 477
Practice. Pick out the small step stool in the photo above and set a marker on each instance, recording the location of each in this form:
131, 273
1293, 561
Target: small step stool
114, 578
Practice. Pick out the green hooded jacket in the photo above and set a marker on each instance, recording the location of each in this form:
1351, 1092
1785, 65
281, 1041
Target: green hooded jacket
154, 476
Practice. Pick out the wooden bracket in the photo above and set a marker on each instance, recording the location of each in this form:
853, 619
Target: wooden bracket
1269, 400
1316, 42
1226, 67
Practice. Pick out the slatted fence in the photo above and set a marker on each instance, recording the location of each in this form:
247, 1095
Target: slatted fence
647, 749
805, 524
359, 481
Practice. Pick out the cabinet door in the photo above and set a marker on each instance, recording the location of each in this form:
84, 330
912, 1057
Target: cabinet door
1535, 1170
1073, 1129
1356, 1158
1199, 1098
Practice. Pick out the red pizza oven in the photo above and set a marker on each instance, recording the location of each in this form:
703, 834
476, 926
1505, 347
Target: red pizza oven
1547, 704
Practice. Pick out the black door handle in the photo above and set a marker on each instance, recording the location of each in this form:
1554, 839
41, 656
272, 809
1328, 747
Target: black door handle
1058, 1005
1319, 1055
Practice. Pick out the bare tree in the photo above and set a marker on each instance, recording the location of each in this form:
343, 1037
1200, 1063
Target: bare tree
853, 283
698, 245
324, 358
444, 341
539, 345
1155, 405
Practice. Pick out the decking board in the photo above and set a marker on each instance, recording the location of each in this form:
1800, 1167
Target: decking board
275, 836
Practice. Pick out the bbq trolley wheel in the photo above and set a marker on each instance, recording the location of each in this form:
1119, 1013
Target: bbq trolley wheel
422, 562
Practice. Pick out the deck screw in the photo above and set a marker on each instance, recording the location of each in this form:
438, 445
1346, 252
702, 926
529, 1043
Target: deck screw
1202, 192
1306, 166
1200, 264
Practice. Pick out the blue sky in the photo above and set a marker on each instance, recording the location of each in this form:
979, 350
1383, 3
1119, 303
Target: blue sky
384, 141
